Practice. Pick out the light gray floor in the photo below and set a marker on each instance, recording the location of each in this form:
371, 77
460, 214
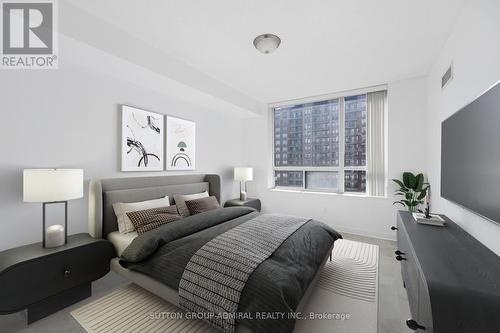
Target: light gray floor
393, 305
393, 308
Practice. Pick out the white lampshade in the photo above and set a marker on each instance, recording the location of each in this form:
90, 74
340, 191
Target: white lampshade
243, 174
49, 185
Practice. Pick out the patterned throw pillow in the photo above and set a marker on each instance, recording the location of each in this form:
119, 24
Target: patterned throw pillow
202, 205
180, 201
149, 219
121, 209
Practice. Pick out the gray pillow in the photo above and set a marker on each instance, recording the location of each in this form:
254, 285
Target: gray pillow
180, 201
201, 205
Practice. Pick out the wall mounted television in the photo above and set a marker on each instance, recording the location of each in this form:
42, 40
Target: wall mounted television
470, 156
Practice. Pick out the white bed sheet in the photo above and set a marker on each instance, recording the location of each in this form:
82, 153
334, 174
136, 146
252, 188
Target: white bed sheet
121, 241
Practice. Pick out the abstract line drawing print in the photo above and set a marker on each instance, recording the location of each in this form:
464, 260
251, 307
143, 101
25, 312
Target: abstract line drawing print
151, 123
139, 148
181, 139
142, 140
182, 155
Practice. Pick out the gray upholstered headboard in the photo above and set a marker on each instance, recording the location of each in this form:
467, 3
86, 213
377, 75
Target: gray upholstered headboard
103, 193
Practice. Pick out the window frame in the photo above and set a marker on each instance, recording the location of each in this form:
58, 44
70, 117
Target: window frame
341, 168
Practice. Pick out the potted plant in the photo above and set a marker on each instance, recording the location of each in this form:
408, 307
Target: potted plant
413, 189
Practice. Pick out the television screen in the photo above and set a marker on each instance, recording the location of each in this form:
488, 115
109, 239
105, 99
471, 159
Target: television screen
470, 156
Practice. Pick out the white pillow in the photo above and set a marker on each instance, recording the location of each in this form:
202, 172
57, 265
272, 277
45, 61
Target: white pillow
121, 209
180, 201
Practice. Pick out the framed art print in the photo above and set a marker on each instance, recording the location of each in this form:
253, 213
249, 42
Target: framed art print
142, 140
181, 144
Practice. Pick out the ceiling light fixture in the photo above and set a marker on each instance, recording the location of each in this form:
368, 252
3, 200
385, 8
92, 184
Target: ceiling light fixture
266, 43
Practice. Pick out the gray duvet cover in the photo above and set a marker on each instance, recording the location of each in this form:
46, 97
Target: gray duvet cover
275, 287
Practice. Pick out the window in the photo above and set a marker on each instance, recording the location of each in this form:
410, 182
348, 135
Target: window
322, 146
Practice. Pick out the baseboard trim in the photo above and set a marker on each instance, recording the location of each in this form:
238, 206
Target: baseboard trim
360, 232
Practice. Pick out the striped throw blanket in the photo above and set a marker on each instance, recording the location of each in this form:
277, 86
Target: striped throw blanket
216, 274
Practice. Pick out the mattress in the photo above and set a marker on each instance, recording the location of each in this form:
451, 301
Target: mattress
121, 241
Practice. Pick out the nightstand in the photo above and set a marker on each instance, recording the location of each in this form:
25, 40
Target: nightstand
47, 280
250, 202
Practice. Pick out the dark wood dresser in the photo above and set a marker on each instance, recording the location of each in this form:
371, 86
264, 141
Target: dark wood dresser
452, 280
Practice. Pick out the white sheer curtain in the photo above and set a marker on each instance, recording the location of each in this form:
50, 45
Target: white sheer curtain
376, 113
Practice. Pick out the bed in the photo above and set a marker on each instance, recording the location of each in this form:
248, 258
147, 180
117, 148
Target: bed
159, 260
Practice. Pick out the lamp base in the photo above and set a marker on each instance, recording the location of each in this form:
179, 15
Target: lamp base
243, 195
55, 236
44, 231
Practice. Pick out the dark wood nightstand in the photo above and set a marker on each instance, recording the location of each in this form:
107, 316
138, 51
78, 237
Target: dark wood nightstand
47, 280
250, 202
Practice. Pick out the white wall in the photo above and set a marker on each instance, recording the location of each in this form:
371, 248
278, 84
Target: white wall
474, 49
70, 118
362, 215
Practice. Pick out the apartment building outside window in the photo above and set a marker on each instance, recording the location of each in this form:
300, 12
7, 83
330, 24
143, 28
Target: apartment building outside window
322, 145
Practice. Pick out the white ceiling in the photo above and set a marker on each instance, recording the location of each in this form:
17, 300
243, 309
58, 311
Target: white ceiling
327, 46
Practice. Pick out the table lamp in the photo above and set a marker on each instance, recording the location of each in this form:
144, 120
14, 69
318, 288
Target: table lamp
51, 186
243, 175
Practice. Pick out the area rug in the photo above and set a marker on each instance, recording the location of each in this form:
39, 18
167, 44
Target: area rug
346, 296
344, 300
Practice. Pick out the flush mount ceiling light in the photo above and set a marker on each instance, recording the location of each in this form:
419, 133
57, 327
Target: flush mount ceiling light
266, 43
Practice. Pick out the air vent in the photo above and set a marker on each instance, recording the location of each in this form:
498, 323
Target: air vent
447, 76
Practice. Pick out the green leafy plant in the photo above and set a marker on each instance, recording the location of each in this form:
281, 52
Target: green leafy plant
413, 189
